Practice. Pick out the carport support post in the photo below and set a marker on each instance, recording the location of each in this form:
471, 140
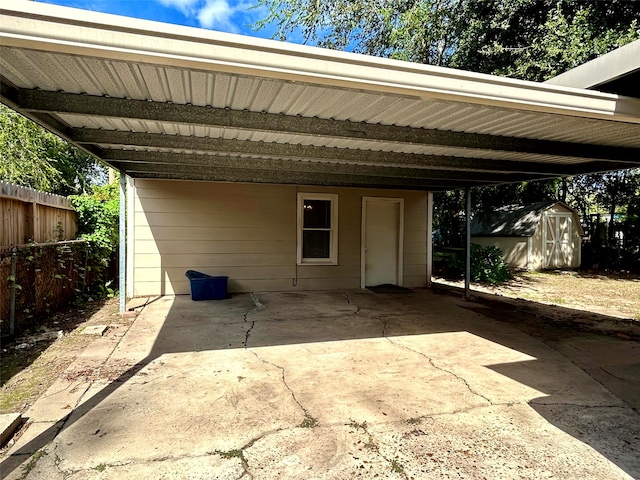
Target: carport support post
122, 267
467, 243
429, 238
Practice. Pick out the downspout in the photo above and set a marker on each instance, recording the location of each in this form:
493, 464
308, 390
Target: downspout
467, 268
122, 250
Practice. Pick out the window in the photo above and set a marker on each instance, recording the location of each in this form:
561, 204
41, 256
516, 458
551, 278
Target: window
317, 228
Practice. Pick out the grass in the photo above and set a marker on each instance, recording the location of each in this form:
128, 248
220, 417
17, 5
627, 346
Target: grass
26, 373
32, 463
396, 467
237, 453
611, 294
309, 422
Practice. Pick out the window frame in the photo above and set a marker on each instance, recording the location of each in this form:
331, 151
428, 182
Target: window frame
333, 242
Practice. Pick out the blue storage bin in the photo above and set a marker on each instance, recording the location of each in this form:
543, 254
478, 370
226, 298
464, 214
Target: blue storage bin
207, 287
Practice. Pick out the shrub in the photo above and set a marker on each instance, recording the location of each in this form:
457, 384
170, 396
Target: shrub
98, 214
487, 265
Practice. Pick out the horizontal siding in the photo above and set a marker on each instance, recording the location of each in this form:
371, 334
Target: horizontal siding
168, 247
248, 233
415, 270
211, 219
211, 233
414, 282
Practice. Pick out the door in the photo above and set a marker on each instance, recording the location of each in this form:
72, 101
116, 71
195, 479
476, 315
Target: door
558, 251
382, 230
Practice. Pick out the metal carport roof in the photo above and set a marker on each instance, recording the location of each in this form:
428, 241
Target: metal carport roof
163, 101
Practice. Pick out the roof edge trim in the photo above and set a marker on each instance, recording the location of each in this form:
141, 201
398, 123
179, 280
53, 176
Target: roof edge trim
58, 29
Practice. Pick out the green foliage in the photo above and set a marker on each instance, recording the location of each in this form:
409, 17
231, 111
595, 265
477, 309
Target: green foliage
33, 157
487, 265
538, 39
525, 39
528, 39
98, 214
98, 223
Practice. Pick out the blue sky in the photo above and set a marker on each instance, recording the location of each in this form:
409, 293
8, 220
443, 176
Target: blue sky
234, 16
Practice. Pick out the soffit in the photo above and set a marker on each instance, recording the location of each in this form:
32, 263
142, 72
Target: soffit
110, 102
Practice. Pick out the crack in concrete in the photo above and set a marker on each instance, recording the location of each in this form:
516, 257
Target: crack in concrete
375, 447
257, 306
309, 420
549, 344
384, 328
348, 299
246, 336
612, 374
80, 399
442, 369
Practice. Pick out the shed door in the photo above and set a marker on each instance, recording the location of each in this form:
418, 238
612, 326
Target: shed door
557, 240
382, 226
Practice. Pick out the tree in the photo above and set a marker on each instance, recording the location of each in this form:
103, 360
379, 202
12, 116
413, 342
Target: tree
526, 39
33, 157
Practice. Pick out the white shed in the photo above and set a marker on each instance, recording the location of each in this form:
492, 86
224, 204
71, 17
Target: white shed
533, 237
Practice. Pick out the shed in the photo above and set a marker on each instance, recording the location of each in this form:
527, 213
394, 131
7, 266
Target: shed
533, 237
288, 167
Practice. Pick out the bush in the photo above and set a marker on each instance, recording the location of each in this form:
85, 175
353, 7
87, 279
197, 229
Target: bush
98, 216
487, 265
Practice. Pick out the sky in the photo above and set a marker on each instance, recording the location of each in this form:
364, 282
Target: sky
233, 16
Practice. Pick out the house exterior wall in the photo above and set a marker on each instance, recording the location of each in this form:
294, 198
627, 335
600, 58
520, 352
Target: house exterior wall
248, 232
514, 249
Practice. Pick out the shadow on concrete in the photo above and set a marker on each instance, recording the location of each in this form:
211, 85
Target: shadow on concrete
248, 321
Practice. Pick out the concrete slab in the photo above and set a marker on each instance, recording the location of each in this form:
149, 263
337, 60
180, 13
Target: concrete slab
95, 330
9, 423
341, 384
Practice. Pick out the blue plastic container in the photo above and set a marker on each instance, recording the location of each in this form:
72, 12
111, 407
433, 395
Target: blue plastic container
207, 287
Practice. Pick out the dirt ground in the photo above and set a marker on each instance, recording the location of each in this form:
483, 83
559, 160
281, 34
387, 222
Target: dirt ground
31, 363
615, 295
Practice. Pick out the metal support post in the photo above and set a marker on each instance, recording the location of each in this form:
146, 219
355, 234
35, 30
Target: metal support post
122, 267
467, 268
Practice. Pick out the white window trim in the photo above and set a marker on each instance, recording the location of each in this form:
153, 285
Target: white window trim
333, 247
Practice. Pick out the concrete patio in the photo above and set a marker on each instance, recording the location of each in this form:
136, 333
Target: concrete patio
334, 385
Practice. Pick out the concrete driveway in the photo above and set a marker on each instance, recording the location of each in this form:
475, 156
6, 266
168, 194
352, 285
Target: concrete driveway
334, 385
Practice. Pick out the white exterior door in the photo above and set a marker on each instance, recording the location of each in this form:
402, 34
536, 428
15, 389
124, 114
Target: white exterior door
558, 251
382, 227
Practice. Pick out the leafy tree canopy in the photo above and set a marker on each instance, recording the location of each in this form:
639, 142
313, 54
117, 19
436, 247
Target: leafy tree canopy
527, 39
33, 157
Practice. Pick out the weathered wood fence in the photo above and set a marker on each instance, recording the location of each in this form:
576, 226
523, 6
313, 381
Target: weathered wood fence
28, 215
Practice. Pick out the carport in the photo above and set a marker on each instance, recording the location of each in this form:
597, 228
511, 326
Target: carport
159, 101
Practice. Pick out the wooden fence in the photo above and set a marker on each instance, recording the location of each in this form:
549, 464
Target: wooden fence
28, 215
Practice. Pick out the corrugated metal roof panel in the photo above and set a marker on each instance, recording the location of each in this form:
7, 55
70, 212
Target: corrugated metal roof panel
169, 84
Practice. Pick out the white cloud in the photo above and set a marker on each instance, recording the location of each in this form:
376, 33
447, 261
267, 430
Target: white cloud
216, 14
185, 6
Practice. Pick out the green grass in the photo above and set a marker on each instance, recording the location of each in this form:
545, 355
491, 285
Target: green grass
237, 453
309, 422
396, 467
